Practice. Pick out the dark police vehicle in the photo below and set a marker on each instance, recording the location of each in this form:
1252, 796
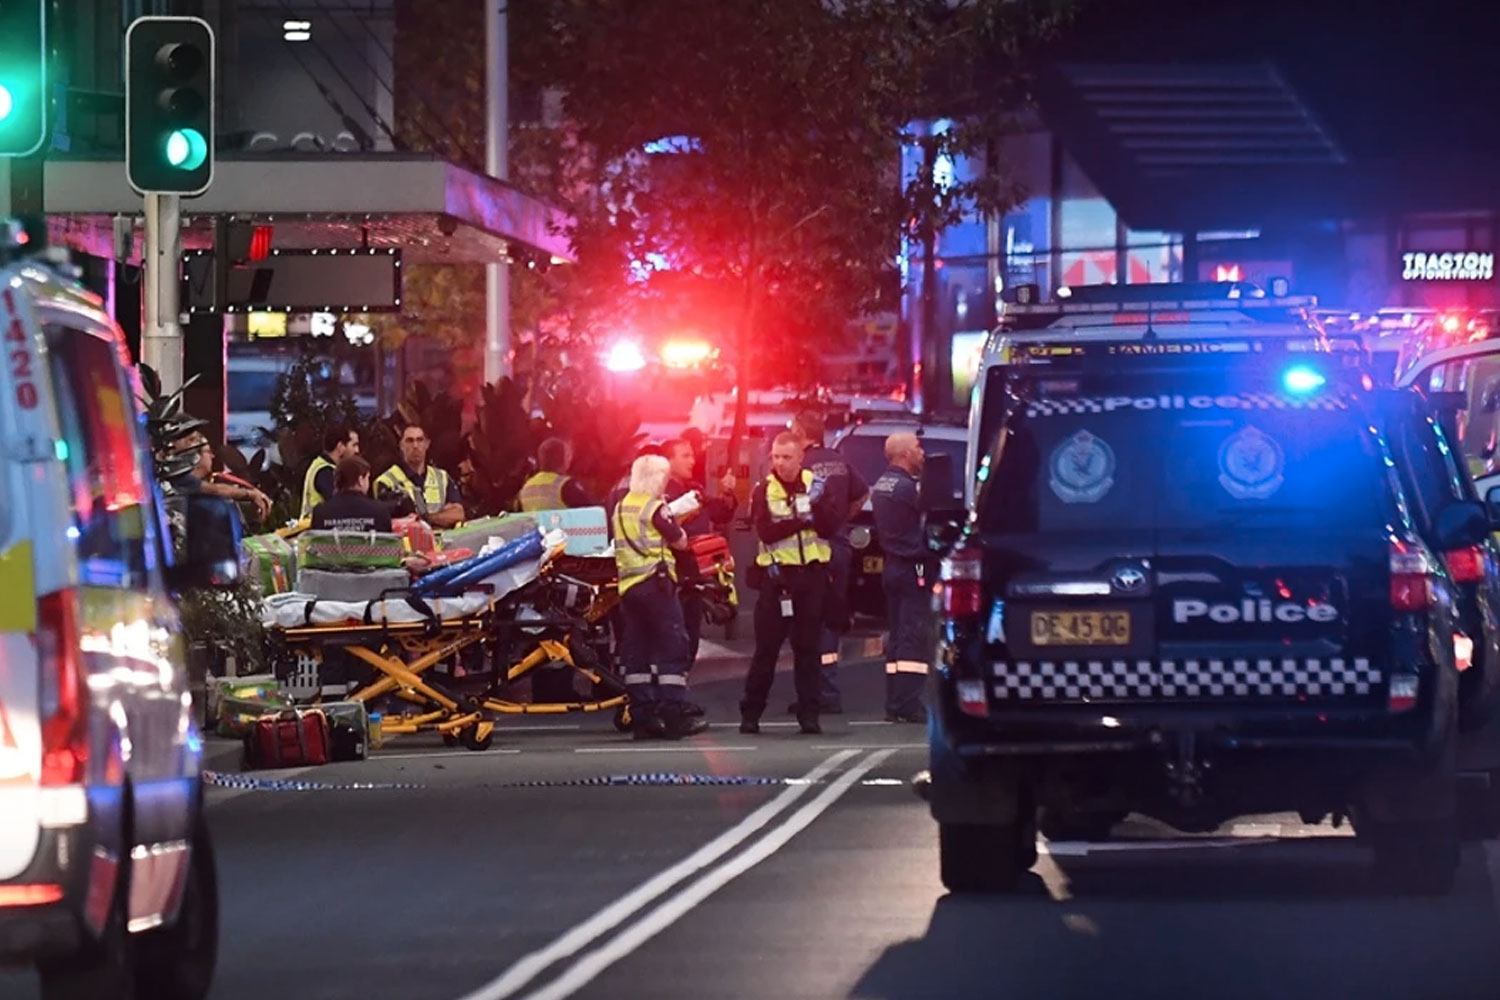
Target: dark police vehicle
1205, 576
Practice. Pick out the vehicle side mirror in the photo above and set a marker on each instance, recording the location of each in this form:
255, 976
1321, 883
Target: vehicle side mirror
1492, 506
937, 484
1465, 523
211, 550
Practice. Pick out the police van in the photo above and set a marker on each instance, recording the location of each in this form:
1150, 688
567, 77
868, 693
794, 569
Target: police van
1210, 570
107, 877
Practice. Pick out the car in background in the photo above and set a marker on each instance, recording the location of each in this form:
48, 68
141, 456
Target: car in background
862, 445
249, 386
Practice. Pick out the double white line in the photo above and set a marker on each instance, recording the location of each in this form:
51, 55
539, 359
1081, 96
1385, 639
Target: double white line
669, 911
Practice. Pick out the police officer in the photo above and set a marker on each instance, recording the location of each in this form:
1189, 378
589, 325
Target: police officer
318, 484
847, 493
645, 535
423, 488
898, 522
552, 488
792, 526
352, 508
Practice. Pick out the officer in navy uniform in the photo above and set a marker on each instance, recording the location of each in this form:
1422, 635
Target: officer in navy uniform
847, 492
896, 501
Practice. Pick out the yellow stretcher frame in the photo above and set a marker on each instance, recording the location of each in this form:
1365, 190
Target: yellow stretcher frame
404, 651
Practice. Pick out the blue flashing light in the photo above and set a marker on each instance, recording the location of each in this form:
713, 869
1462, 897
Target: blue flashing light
1301, 380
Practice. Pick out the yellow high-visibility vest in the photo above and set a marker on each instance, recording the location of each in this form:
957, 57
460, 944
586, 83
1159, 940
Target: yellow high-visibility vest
543, 491
429, 499
801, 549
310, 495
639, 547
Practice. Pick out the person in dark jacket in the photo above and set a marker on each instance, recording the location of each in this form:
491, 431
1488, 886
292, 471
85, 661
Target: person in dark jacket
712, 515
351, 508
896, 500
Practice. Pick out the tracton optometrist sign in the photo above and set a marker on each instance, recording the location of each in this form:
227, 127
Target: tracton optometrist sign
1470, 266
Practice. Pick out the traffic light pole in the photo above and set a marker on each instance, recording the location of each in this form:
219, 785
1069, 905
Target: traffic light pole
161, 334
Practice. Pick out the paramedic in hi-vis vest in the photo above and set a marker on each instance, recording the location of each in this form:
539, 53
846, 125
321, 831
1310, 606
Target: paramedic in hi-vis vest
419, 488
339, 442
552, 488
793, 519
645, 535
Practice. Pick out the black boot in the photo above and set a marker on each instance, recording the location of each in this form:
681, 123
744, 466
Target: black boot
678, 723
750, 718
647, 723
808, 723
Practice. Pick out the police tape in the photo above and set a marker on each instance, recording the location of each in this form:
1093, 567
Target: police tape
659, 779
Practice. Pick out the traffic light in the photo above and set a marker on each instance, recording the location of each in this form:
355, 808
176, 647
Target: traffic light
23, 76
169, 105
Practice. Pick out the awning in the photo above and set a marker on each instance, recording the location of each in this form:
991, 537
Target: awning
433, 211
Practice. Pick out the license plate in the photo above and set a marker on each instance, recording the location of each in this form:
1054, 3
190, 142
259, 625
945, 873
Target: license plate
1080, 628
874, 564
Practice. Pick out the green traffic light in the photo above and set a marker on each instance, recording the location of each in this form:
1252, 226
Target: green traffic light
6, 103
186, 149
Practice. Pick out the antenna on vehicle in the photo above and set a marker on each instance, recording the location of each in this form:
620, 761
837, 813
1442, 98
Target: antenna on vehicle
1150, 330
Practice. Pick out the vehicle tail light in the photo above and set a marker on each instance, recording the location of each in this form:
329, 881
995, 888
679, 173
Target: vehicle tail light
1403, 693
1411, 578
962, 586
971, 698
39, 894
64, 698
1466, 565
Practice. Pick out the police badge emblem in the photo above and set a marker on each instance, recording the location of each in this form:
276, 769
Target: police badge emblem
1083, 469
1251, 465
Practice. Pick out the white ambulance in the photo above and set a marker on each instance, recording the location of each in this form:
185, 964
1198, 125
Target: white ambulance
107, 881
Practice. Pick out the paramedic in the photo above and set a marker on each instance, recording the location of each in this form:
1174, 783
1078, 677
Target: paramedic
436, 500
791, 573
898, 523
847, 493
351, 508
318, 484
552, 488
645, 535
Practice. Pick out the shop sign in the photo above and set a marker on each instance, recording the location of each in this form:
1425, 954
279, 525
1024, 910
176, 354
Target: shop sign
1462, 266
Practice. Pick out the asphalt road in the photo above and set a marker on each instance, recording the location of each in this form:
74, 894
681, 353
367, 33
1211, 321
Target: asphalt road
808, 870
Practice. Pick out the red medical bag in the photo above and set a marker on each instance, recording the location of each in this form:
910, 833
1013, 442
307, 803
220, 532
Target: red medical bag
294, 738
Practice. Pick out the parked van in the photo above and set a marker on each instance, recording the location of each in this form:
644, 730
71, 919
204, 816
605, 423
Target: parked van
106, 868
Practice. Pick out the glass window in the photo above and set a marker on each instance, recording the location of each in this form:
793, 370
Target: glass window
250, 391
105, 463
1088, 231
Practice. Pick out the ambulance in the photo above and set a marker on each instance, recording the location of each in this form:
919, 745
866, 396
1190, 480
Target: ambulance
107, 882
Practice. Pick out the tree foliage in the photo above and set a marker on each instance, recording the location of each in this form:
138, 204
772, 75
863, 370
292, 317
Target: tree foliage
785, 200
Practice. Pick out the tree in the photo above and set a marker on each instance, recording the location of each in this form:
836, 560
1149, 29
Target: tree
784, 191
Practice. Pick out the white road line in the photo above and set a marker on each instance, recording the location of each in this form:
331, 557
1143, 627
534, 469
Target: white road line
501, 727
435, 754
584, 971
877, 746
528, 968
870, 722
704, 748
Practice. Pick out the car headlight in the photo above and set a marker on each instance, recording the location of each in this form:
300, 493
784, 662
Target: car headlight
859, 537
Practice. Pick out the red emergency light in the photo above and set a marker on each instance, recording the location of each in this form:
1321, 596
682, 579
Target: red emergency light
260, 242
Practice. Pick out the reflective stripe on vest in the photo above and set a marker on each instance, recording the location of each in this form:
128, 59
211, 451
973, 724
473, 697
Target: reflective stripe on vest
434, 493
310, 495
639, 547
806, 546
543, 491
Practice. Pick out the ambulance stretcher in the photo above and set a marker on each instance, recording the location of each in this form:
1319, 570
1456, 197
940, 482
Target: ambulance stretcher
525, 607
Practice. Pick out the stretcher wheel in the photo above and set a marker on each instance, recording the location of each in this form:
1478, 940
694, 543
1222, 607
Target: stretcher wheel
472, 742
622, 718
450, 739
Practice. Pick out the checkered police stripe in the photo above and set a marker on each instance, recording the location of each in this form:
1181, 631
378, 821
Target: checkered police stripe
1072, 405
1074, 680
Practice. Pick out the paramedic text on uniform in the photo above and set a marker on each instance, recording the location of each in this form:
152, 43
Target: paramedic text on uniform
645, 536
351, 508
436, 500
898, 522
791, 573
